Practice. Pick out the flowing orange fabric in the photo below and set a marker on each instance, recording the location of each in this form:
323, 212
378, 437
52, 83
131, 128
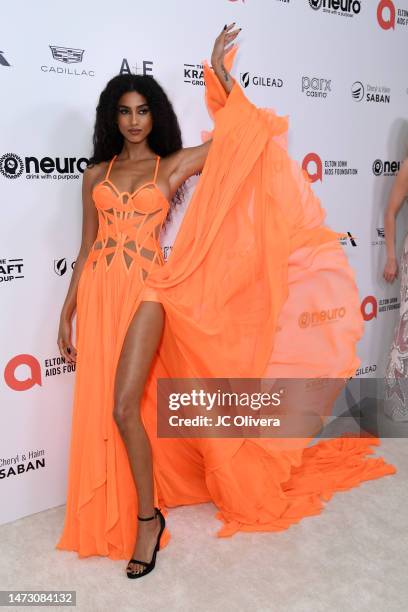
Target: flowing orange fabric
256, 286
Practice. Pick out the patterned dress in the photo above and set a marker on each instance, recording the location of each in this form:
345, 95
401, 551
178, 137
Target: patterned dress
396, 383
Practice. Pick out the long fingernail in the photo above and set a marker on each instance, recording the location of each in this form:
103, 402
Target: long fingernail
225, 27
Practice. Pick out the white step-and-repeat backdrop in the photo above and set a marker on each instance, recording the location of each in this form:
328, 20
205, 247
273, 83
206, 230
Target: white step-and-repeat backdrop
336, 67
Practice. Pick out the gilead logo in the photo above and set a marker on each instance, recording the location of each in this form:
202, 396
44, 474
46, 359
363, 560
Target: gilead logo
10, 372
315, 159
369, 308
386, 14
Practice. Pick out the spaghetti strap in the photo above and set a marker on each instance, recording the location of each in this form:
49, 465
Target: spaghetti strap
156, 169
109, 167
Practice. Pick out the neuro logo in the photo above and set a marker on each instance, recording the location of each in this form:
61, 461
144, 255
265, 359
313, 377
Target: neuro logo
378, 167
3, 61
67, 55
11, 165
386, 168
339, 7
386, 14
318, 317
357, 91
313, 158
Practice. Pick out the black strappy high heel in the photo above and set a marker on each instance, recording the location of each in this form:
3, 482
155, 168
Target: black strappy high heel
149, 566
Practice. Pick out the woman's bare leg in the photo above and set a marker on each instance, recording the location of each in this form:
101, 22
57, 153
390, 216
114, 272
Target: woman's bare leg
138, 351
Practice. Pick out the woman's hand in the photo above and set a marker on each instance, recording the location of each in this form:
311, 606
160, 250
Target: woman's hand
66, 348
390, 270
217, 56
226, 37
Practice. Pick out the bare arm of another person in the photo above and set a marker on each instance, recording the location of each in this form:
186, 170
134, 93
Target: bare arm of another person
397, 196
190, 160
89, 232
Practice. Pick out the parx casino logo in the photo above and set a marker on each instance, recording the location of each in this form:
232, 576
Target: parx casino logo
315, 87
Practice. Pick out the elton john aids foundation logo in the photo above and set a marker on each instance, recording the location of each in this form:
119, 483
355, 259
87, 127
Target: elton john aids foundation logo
315, 168
388, 15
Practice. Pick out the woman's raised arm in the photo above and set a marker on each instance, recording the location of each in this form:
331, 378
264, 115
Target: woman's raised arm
190, 160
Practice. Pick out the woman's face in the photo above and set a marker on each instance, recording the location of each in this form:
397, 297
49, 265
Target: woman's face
134, 116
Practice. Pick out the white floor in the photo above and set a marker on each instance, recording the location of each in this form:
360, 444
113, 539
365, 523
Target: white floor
352, 557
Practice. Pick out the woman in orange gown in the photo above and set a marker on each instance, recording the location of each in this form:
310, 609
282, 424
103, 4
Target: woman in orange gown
256, 286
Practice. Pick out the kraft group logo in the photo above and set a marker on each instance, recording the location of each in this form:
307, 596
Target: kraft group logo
11, 269
386, 168
379, 94
3, 61
371, 306
194, 74
12, 166
23, 372
345, 8
246, 78
315, 87
315, 168
67, 56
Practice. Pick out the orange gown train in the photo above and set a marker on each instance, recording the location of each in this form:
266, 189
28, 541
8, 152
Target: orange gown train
251, 267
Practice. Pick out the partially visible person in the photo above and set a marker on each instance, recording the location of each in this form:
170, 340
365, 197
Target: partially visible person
396, 383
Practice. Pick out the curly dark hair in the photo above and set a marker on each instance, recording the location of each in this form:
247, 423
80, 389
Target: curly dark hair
165, 136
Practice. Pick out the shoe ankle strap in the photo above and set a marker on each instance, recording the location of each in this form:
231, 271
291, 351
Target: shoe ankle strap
148, 518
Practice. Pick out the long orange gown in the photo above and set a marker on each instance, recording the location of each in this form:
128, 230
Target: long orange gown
252, 261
